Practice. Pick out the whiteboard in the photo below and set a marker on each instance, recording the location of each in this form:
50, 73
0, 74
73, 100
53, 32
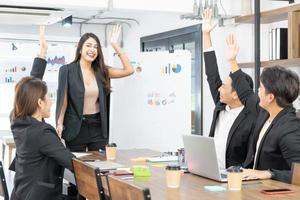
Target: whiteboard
152, 108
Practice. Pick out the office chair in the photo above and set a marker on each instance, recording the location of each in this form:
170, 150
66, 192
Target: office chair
296, 174
88, 180
120, 190
3, 186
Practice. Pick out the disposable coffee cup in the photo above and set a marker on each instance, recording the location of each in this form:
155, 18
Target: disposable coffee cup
111, 151
173, 175
234, 178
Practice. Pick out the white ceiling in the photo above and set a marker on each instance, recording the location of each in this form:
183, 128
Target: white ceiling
86, 9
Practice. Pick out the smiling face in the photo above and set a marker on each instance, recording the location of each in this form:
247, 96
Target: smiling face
265, 98
89, 50
227, 94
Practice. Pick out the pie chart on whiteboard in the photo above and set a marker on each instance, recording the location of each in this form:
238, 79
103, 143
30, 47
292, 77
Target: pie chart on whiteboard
176, 68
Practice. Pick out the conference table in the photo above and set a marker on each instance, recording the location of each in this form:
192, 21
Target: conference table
192, 186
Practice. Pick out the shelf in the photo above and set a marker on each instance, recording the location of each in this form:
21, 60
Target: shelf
270, 16
295, 62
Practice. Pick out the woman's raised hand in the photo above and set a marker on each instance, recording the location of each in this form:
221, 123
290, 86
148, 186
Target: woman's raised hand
114, 34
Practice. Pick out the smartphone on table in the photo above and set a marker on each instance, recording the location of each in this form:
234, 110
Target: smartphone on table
277, 191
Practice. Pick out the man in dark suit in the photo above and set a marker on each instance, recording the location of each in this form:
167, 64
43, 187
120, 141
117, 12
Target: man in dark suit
232, 123
275, 143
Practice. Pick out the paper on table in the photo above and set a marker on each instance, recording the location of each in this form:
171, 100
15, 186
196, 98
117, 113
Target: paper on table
105, 165
214, 188
78, 155
163, 159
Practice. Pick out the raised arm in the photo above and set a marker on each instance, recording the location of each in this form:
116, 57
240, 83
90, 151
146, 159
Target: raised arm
239, 78
207, 27
211, 65
232, 51
39, 63
127, 67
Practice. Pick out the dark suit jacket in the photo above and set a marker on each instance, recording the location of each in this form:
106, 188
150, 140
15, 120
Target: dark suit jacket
240, 131
40, 156
71, 81
280, 145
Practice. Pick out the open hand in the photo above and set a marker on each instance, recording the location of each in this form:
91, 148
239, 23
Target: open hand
207, 25
233, 48
115, 33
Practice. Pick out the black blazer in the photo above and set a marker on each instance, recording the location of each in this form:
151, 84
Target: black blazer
70, 80
280, 145
242, 128
40, 156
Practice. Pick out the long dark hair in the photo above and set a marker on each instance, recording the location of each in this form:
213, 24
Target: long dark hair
98, 63
27, 93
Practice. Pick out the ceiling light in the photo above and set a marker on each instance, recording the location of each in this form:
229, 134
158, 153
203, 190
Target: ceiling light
14, 47
67, 22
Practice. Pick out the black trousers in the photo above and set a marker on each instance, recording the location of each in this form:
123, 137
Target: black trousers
90, 137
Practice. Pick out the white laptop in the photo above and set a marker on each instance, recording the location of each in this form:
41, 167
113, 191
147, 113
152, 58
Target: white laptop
201, 156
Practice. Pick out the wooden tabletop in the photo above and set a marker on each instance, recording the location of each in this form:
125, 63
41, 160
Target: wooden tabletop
192, 186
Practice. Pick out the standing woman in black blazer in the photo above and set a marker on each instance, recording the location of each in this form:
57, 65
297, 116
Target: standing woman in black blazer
83, 85
40, 155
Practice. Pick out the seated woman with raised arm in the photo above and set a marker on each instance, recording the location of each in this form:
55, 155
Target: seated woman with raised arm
40, 155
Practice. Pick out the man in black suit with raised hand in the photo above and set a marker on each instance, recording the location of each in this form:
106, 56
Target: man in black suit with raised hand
232, 122
275, 144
